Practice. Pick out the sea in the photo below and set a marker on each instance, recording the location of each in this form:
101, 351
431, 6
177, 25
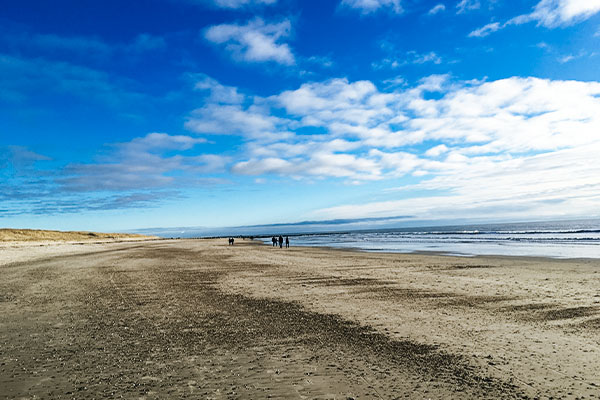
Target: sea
556, 239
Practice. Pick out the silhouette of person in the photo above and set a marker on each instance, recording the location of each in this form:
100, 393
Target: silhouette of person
287, 242
280, 242
274, 240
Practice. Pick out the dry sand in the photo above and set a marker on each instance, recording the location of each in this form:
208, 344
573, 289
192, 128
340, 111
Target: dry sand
201, 319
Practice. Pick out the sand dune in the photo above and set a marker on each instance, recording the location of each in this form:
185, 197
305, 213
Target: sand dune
37, 235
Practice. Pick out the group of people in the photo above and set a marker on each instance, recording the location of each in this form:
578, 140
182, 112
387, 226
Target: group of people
274, 239
280, 241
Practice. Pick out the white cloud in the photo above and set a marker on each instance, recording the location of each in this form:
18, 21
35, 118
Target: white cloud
411, 57
560, 183
160, 141
241, 3
216, 119
437, 150
486, 30
320, 164
371, 6
322, 61
337, 94
566, 59
467, 5
141, 164
548, 13
256, 41
218, 93
426, 57
467, 130
515, 114
554, 13
437, 9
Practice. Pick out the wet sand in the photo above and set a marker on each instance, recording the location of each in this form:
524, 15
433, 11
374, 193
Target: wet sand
201, 319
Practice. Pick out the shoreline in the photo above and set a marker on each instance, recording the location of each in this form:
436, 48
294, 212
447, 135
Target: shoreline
46, 243
431, 253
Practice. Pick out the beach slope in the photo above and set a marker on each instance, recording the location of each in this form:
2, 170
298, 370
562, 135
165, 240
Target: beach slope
201, 319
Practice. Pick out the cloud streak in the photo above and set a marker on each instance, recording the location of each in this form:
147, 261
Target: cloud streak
23, 78
547, 13
467, 5
437, 9
236, 4
547, 185
136, 174
141, 164
371, 6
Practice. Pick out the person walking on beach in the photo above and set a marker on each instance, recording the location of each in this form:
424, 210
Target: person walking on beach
280, 242
287, 242
274, 240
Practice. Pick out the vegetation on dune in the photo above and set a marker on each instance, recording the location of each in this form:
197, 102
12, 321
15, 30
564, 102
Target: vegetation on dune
28, 235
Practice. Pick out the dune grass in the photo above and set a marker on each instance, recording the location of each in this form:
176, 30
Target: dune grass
34, 235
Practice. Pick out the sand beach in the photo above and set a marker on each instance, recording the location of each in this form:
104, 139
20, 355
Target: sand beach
200, 319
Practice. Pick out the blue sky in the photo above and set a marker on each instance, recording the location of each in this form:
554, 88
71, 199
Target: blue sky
216, 113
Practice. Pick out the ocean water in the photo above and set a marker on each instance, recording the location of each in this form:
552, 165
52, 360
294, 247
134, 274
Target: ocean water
563, 239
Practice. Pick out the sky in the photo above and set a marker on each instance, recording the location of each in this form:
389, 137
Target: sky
164, 113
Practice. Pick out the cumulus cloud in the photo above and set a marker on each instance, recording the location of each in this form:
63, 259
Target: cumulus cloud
257, 41
226, 119
526, 143
371, 6
360, 133
227, 111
